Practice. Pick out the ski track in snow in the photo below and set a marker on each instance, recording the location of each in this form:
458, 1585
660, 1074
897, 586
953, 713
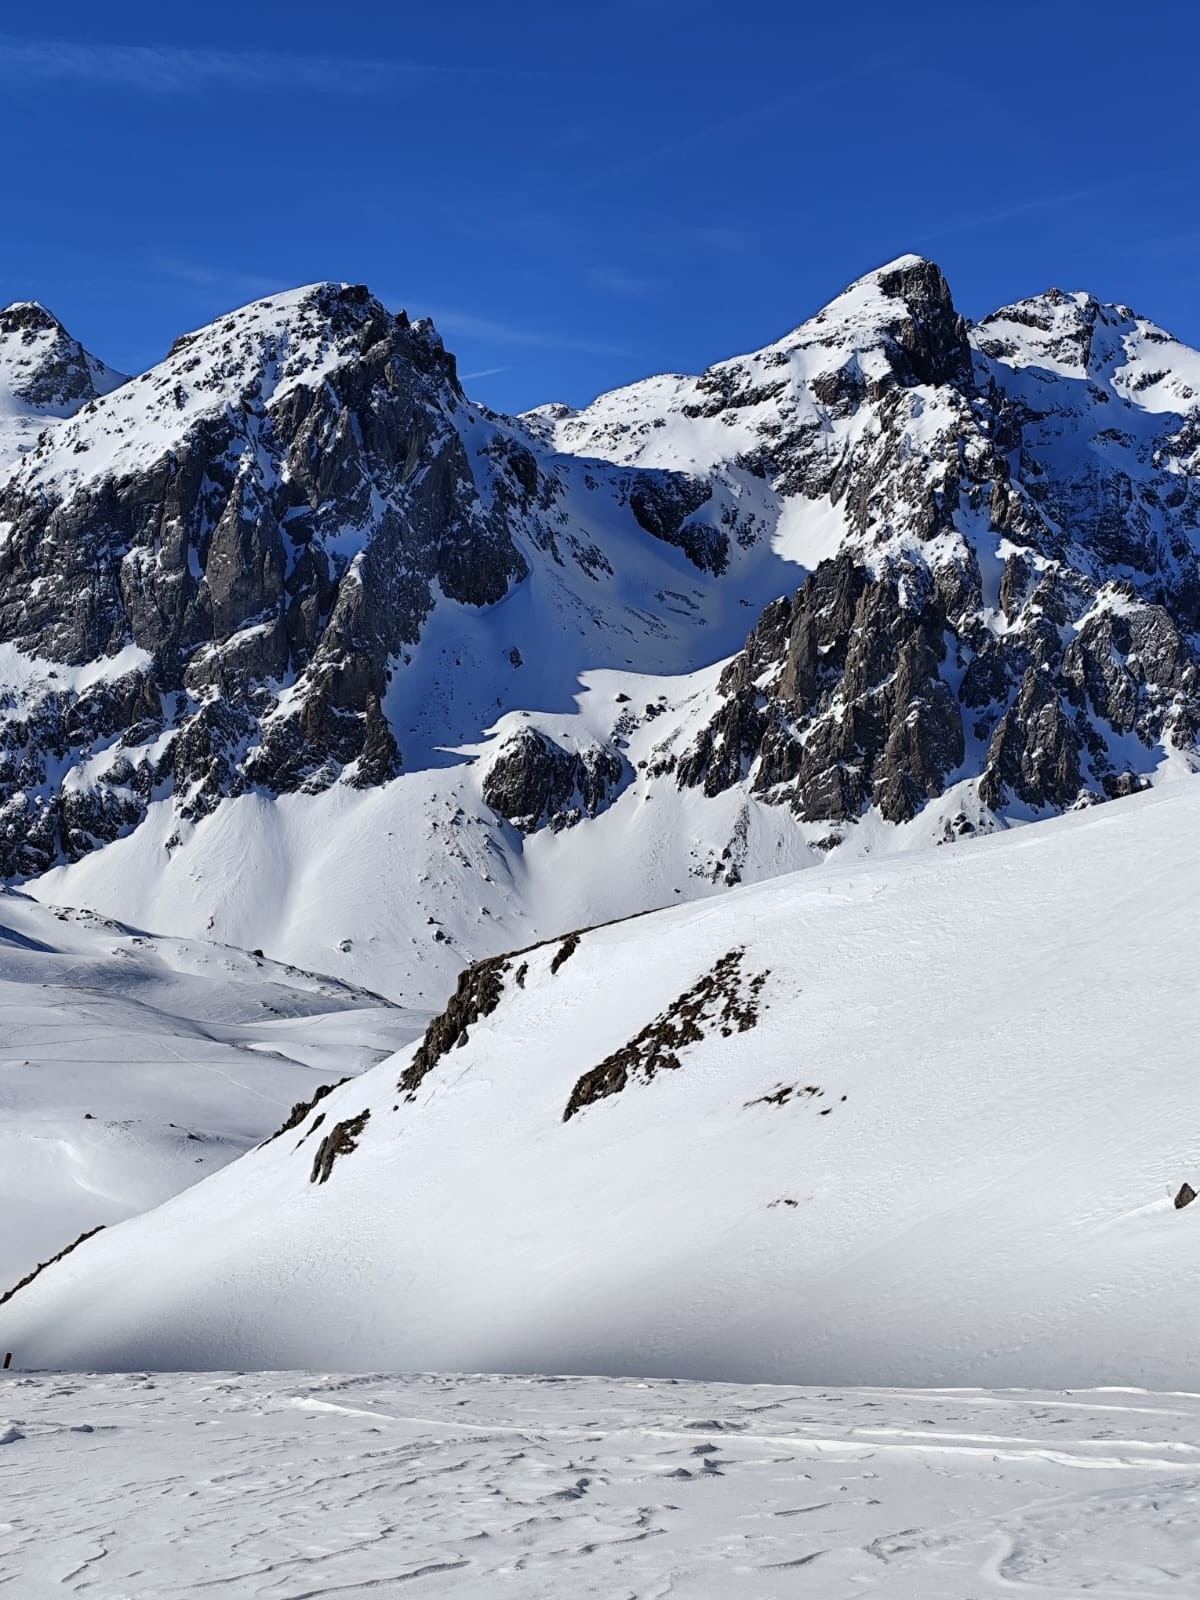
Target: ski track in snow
289, 1487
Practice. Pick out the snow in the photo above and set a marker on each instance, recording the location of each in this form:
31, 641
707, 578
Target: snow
293, 1486
1011, 1023
131, 1066
1072, 335
21, 673
648, 423
386, 871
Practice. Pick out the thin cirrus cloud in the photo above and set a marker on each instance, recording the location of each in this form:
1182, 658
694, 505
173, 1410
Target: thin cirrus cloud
488, 331
172, 69
616, 280
988, 219
199, 275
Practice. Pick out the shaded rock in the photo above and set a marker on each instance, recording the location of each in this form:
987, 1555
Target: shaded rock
534, 782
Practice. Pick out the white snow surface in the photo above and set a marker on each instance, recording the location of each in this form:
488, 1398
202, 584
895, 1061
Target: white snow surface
130, 1066
293, 1486
990, 1056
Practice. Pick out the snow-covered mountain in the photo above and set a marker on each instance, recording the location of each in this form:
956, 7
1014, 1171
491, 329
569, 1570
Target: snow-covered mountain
131, 1066
303, 650
920, 1119
45, 375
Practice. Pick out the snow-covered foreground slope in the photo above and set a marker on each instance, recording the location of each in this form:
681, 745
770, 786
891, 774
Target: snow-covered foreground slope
474, 1488
914, 1120
131, 1066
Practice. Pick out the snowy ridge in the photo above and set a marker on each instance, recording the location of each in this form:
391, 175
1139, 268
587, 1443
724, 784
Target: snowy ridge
260, 352
920, 1120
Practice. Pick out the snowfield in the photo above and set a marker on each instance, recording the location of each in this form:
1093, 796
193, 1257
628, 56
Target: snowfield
130, 1066
917, 1120
290, 1487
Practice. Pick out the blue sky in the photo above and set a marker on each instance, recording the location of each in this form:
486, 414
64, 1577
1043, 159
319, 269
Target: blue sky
581, 195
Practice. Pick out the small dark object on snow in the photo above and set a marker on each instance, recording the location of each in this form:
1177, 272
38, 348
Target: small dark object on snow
564, 952
341, 1141
1185, 1197
8, 1361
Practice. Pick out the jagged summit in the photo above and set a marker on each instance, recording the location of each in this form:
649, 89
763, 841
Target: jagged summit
43, 370
45, 375
251, 360
893, 578
1076, 335
906, 308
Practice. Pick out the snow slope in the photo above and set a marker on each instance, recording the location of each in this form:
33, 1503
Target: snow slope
130, 1066
915, 1120
399, 887
472, 1488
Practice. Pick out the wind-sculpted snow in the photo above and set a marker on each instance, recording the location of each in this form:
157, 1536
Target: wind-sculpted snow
921, 1119
287, 1485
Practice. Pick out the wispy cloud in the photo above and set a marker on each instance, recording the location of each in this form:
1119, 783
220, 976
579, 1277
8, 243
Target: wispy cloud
486, 372
731, 241
743, 122
487, 330
173, 69
616, 280
988, 219
199, 275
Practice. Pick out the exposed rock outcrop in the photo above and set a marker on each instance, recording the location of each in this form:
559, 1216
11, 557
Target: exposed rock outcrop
535, 782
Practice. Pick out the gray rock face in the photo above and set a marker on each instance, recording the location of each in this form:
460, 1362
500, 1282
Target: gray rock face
534, 782
857, 713
220, 557
896, 669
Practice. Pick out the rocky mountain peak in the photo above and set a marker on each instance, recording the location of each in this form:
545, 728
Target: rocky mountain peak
43, 370
250, 362
28, 315
275, 504
1075, 335
890, 570
904, 309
